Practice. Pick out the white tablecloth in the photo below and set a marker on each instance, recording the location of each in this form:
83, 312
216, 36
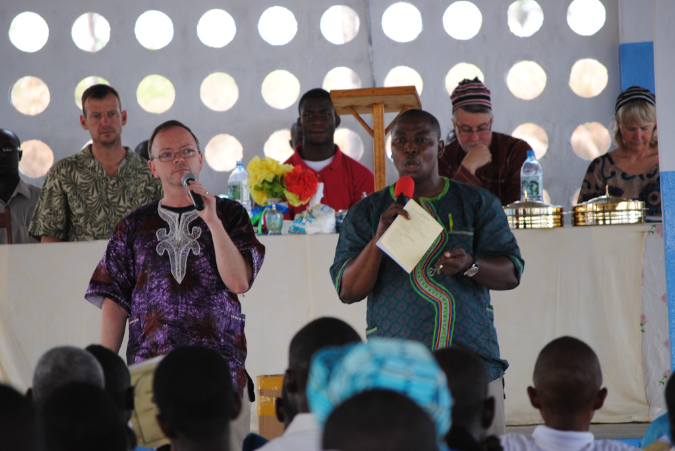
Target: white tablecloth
586, 282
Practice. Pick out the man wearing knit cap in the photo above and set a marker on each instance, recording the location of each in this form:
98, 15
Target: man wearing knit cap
478, 155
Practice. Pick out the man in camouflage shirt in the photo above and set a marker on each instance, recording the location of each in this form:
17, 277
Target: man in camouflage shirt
85, 195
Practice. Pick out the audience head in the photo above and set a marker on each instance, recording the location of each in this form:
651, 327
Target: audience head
670, 403
117, 379
194, 393
404, 366
10, 154
567, 384
19, 430
142, 150
62, 365
379, 419
318, 334
82, 417
472, 116
472, 408
318, 119
635, 112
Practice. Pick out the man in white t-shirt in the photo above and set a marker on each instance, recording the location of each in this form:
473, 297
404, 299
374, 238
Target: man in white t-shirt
567, 391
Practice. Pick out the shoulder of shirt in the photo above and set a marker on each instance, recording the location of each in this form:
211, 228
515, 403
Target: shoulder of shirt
227, 203
352, 161
70, 162
613, 445
512, 141
143, 210
293, 159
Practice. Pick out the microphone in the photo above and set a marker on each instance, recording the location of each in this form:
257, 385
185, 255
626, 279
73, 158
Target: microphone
197, 200
404, 189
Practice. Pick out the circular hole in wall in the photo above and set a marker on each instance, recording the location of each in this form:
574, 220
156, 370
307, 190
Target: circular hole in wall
402, 22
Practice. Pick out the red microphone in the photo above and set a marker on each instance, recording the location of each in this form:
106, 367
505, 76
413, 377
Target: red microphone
404, 189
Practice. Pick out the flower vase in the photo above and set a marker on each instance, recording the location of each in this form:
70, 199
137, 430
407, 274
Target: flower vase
273, 217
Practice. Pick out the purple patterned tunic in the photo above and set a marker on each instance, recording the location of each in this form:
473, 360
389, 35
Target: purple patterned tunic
160, 266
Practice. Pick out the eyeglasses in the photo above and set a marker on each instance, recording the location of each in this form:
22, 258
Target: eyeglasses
465, 130
171, 156
10, 149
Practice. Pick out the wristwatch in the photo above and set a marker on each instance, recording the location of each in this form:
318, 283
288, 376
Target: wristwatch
473, 269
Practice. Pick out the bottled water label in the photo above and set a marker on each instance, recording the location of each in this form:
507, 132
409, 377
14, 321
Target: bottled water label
234, 191
532, 186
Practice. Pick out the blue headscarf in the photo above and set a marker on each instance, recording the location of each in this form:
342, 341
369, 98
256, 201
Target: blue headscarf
404, 366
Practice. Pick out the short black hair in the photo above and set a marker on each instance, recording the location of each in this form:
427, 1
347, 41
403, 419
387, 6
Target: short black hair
165, 126
379, 419
318, 334
81, 416
19, 429
117, 377
467, 382
567, 375
142, 150
194, 392
316, 93
11, 137
99, 91
670, 402
415, 113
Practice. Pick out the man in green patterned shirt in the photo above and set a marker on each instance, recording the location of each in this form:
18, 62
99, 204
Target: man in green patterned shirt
85, 195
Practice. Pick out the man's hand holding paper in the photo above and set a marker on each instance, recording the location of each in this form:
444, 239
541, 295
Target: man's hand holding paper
407, 240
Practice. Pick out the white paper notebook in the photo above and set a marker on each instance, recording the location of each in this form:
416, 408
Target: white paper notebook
407, 240
143, 419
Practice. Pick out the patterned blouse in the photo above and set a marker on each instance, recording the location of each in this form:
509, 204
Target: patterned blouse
80, 202
603, 172
160, 266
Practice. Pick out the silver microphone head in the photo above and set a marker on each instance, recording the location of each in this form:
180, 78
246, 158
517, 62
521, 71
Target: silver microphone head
187, 178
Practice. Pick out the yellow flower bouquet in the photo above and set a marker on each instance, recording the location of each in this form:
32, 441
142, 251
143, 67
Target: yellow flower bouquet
267, 178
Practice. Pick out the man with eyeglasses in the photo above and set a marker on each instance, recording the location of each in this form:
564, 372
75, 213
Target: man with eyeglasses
16, 194
85, 195
345, 179
174, 272
478, 156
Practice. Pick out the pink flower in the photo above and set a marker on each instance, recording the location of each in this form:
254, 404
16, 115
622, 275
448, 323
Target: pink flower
643, 319
667, 344
664, 298
666, 374
659, 230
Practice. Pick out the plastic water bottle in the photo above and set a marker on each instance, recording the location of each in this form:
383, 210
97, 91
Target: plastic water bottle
237, 186
531, 179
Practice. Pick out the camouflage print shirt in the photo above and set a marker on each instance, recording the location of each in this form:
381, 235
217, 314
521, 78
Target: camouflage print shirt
80, 202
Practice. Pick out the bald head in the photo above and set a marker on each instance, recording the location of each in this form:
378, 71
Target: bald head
9, 139
567, 375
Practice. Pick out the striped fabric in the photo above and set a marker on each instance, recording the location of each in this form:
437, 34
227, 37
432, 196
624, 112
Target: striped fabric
470, 92
634, 93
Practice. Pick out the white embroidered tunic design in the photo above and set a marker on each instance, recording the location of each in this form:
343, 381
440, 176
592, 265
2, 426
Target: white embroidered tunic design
179, 241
